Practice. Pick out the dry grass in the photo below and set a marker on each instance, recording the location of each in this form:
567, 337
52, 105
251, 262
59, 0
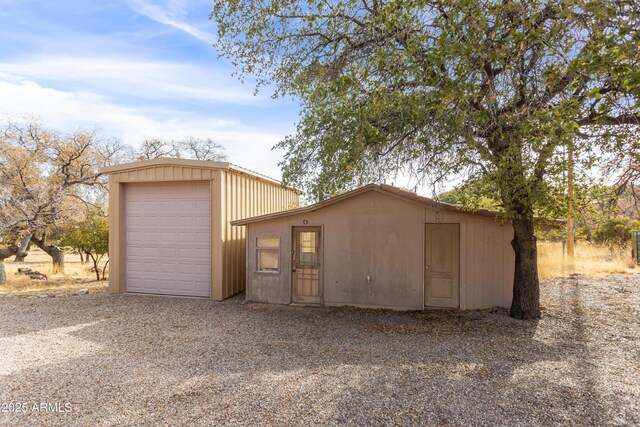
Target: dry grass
77, 276
590, 260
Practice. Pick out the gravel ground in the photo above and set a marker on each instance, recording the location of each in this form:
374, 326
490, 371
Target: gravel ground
142, 360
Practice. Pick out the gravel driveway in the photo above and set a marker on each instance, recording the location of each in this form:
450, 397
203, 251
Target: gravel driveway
143, 360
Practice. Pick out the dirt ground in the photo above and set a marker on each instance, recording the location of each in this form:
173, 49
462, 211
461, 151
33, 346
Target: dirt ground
101, 359
77, 277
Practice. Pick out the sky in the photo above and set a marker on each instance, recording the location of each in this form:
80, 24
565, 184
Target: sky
135, 69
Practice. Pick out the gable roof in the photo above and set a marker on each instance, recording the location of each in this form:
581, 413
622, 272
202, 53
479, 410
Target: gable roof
205, 164
380, 188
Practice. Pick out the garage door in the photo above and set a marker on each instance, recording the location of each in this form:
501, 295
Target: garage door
168, 239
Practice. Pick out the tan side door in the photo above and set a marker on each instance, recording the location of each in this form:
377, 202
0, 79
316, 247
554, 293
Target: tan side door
442, 265
307, 265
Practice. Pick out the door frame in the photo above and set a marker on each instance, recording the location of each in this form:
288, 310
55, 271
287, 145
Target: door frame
462, 270
292, 242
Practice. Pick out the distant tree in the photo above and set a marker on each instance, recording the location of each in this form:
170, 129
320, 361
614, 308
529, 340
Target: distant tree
440, 88
187, 148
616, 232
474, 195
91, 236
46, 178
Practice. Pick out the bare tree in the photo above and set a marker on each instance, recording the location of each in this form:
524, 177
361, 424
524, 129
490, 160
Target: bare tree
186, 148
155, 148
201, 149
44, 178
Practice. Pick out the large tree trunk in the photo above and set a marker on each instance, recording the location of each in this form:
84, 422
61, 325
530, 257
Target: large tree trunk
526, 285
56, 254
516, 193
24, 246
571, 210
4, 254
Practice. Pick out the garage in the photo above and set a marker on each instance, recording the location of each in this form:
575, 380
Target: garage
167, 235
170, 227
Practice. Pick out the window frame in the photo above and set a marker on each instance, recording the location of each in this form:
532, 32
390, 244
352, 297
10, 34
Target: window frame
271, 249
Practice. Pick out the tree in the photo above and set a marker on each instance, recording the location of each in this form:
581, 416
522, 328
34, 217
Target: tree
615, 232
45, 180
5, 253
438, 88
25, 243
189, 147
474, 195
91, 236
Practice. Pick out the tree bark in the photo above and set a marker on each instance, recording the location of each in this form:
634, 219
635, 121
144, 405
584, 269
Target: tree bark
526, 285
96, 262
81, 253
571, 210
4, 254
104, 270
24, 245
56, 254
516, 192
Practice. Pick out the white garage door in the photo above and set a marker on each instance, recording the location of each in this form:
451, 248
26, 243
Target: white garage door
168, 239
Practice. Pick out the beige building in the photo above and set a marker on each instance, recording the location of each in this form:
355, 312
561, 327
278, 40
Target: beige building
379, 246
170, 229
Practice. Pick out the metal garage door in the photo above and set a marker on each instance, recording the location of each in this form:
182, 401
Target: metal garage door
168, 239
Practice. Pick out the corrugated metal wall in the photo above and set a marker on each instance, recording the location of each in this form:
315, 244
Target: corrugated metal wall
245, 196
234, 195
163, 173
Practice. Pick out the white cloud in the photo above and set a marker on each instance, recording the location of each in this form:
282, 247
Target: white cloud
68, 111
149, 79
171, 13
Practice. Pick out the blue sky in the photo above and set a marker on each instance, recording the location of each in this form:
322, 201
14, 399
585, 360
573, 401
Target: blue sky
133, 69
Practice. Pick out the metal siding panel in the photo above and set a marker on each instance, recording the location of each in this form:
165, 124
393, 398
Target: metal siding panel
487, 251
498, 260
473, 265
243, 234
261, 198
273, 200
244, 196
228, 216
478, 286
234, 234
115, 228
217, 230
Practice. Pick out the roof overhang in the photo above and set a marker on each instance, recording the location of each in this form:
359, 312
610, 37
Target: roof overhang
204, 164
164, 161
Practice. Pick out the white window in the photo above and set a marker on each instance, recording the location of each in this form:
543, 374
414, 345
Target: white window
268, 254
